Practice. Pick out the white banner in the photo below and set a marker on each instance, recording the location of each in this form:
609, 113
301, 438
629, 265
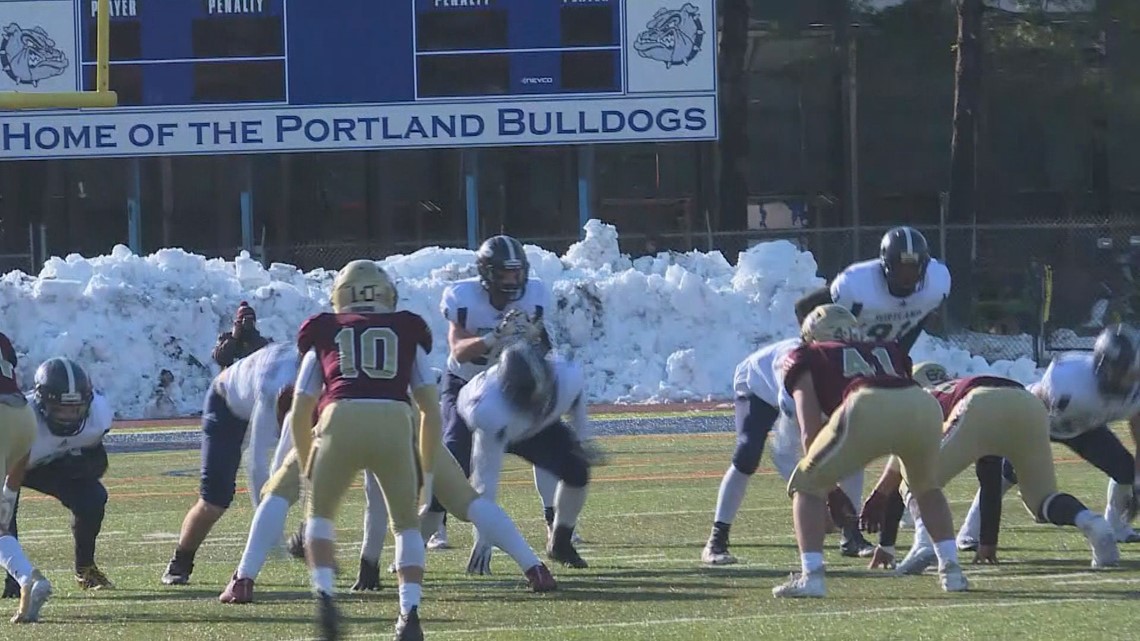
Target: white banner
117, 133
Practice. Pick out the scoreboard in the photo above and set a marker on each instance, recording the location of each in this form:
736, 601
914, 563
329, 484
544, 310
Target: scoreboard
469, 72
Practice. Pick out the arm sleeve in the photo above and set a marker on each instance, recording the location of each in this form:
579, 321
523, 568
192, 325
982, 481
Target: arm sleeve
821, 296
306, 392
426, 394
262, 440
988, 469
486, 462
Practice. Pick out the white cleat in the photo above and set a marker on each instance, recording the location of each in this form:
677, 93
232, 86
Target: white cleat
438, 541
952, 579
32, 599
967, 544
712, 556
801, 586
1102, 540
916, 562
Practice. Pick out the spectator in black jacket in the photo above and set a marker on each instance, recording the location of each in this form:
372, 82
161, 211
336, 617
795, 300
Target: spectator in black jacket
242, 341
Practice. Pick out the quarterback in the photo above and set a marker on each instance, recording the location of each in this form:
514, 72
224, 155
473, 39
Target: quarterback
1084, 393
17, 432
516, 406
485, 314
988, 417
68, 460
893, 298
875, 408
242, 395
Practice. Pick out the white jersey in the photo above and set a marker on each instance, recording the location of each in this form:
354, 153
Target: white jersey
762, 373
49, 447
467, 304
1076, 404
862, 288
260, 375
495, 424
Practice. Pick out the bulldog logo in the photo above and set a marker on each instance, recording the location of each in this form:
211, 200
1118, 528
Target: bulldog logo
673, 36
29, 55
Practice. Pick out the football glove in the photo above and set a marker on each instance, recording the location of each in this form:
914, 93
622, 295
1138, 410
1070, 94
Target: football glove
480, 560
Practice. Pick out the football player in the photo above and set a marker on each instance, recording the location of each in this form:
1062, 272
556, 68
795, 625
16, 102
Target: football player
516, 406
989, 417
756, 384
17, 433
284, 489
1084, 393
68, 460
875, 409
360, 361
242, 395
478, 311
893, 299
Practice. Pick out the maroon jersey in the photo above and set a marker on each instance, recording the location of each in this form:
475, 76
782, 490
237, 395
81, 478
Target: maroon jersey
951, 393
8, 383
369, 356
837, 369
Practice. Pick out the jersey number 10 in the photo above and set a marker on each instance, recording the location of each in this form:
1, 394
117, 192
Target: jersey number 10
378, 348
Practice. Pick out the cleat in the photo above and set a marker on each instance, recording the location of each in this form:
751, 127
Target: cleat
562, 550
408, 626
368, 577
92, 578
1102, 541
177, 573
1127, 536
32, 599
801, 586
716, 553
328, 619
916, 562
855, 546
881, 558
438, 541
11, 588
952, 579
967, 544
238, 591
539, 579
296, 544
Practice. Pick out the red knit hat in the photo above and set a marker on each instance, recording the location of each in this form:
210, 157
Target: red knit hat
244, 311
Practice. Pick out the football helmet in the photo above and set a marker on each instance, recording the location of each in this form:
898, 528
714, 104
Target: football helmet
930, 374
527, 379
362, 286
830, 323
63, 395
503, 267
1116, 360
904, 257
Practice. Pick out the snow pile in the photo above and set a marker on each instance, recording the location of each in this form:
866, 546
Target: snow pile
664, 328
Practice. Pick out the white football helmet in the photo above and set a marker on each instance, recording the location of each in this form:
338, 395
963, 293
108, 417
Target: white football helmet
830, 323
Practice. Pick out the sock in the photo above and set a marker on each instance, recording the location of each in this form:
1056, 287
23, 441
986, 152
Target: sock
853, 487
183, 557
548, 514
323, 580
947, 552
720, 532
494, 524
409, 596
1084, 518
568, 504
268, 522
972, 525
85, 530
546, 482
1063, 509
921, 534
375, 519
13, 560
429, 525
811, 562
731, 494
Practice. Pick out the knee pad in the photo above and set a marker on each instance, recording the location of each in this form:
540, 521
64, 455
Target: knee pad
577, 473
746, 458
318, 528
410, 549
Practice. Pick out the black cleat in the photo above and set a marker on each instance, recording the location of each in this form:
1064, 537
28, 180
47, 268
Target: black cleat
297, 543
853, 545
177, 573
561, 549
11, 588
368, 577
328, 619
408, 626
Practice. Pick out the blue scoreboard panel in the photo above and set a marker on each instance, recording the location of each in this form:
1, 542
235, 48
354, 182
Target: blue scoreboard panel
495, 71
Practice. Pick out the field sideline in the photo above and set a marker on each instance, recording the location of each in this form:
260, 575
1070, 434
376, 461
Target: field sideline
647, 517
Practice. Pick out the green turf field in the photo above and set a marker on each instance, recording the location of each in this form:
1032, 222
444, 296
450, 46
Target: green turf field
645, 523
